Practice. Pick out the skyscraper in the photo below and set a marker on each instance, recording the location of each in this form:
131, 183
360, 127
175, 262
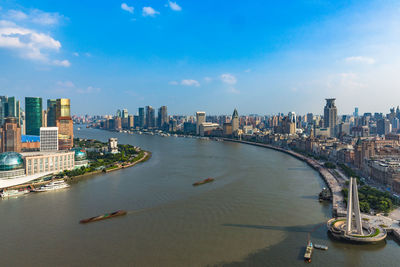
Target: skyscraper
64, 124
3, 107
13, 107
200, 118
33, 115
383, 126
51, 112
10, 135
125, 113
162, 121
330, 116
150, 117
63, 108
142, 120
235, 121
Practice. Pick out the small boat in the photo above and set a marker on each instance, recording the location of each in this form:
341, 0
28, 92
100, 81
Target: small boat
104, 216
309, 250
54, 185
14, 193
323, 247
208, 180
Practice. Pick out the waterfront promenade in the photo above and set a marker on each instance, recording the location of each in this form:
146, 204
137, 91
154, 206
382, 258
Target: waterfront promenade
338, 204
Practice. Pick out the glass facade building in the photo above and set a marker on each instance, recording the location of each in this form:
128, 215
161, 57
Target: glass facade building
51, 112
33, 115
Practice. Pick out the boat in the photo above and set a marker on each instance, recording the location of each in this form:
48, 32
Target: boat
104, 216
323, 247
325, 195
54, 185
14, 192
309, 250
208, 180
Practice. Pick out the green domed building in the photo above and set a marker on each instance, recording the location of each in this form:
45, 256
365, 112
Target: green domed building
80, 157
11, 165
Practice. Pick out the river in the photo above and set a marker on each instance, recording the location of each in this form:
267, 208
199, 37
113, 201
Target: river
258, 212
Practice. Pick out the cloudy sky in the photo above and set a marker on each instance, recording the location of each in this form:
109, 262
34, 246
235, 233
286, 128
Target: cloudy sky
259, 56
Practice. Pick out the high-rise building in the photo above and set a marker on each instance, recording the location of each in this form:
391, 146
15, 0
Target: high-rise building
63, 108
383, 126
330, 116
3, 108
200, 118
44, 118
235, 121
355, 112
51, 112
119, 113
162, 119
48, 139
13, 108
142, 119
310, 118
125, 113
10, 135
65, 133
292, 118
150, 117
130, 121
33, 115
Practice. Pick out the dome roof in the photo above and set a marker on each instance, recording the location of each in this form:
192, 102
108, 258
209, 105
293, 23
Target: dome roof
11, 161
80, 154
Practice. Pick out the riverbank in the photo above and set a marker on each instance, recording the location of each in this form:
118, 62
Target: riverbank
338, 205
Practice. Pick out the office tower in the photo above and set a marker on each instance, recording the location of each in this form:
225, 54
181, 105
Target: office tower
235, 121
3, 107
355, 112
44, 118
48, 139
150, 117
383, 126
125, 113
142, 119
117, 124
162, 117
130, 121
63, 108
330, 116
119, 113
33, 115
292, 118
310, 118
200, 118
136, 121
51, 112
10, 135
13, 108
65, 133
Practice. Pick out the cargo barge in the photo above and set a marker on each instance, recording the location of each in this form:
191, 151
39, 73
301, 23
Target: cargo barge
104, 216
309, 250
208, 180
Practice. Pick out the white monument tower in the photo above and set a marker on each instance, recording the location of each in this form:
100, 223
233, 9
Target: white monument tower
353, 205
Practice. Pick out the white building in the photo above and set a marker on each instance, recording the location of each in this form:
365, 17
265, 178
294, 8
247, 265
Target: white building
113, 145
207, 126
48, 138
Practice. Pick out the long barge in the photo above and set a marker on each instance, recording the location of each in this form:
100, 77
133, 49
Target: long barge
208, 180
104, 216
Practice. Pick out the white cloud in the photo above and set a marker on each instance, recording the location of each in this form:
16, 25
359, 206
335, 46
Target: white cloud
174, 6
190, 83
149, 11
88, 90
34, 16
360, 59
67, 84
27, 42
125, 7
61, 63
228, 78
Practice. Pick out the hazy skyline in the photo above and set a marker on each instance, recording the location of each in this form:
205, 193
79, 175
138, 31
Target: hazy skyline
259, 57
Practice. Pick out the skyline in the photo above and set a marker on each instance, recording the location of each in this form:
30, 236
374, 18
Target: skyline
259, 57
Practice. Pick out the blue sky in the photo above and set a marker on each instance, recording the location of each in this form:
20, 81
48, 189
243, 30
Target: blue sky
261, 57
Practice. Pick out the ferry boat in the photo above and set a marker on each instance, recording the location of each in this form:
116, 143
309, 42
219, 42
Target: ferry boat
104, 216
14, 192
208, 180
322, 247
54, 185
309, 250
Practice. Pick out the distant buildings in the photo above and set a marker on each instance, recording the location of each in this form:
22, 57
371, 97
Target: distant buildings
162, 119
150, 117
